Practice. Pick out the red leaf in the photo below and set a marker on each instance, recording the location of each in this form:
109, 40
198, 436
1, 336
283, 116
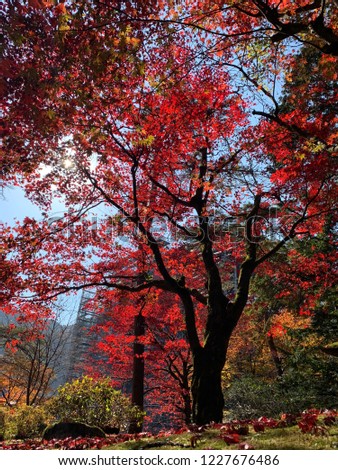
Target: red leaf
231, 438
258, 427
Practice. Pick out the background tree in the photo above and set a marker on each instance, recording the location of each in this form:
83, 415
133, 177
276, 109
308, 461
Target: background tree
165, 354
33, 354
276, 359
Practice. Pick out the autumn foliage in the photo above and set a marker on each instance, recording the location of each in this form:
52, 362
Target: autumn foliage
198, 135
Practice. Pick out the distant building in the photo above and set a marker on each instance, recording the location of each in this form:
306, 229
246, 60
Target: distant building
82, 338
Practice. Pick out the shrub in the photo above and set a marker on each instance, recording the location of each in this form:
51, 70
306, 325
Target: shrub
30, 421
93, 402
252, 397
8, 423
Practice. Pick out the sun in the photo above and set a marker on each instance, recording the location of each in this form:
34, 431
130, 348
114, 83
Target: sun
67, 163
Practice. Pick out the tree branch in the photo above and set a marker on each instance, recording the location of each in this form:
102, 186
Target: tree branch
169, 193
248, 266
290, 127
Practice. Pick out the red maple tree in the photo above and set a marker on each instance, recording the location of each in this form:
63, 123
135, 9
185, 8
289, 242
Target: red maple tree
149, 117
142, 363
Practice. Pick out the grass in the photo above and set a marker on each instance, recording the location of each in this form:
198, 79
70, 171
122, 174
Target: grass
279, 439
310, 430
293, 439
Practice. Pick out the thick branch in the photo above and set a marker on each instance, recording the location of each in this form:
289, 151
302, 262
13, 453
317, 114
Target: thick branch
213, 275
176, 224
152, 243
290, 127
248, 266
286, 30
175, 198
292, 233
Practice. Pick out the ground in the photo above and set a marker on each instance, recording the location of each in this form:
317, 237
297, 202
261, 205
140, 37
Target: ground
285, 438
309, 431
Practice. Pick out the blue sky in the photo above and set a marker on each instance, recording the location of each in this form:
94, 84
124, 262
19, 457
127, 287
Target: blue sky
16, 206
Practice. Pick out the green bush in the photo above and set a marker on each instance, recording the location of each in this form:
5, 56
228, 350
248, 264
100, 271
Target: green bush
93, 402
8, 423
249, 397
30, 421
252, 397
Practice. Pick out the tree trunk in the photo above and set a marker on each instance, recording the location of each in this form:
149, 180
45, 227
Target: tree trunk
275, 356
138, 371
209, 361
206, 388
223, 316
187, 411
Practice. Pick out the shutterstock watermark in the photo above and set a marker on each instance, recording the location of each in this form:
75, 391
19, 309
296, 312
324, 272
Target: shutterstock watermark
162, 229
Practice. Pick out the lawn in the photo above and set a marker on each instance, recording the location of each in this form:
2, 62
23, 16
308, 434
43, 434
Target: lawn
310, 430
285, 438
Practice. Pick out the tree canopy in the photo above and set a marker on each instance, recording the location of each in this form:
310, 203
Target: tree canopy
197, 130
